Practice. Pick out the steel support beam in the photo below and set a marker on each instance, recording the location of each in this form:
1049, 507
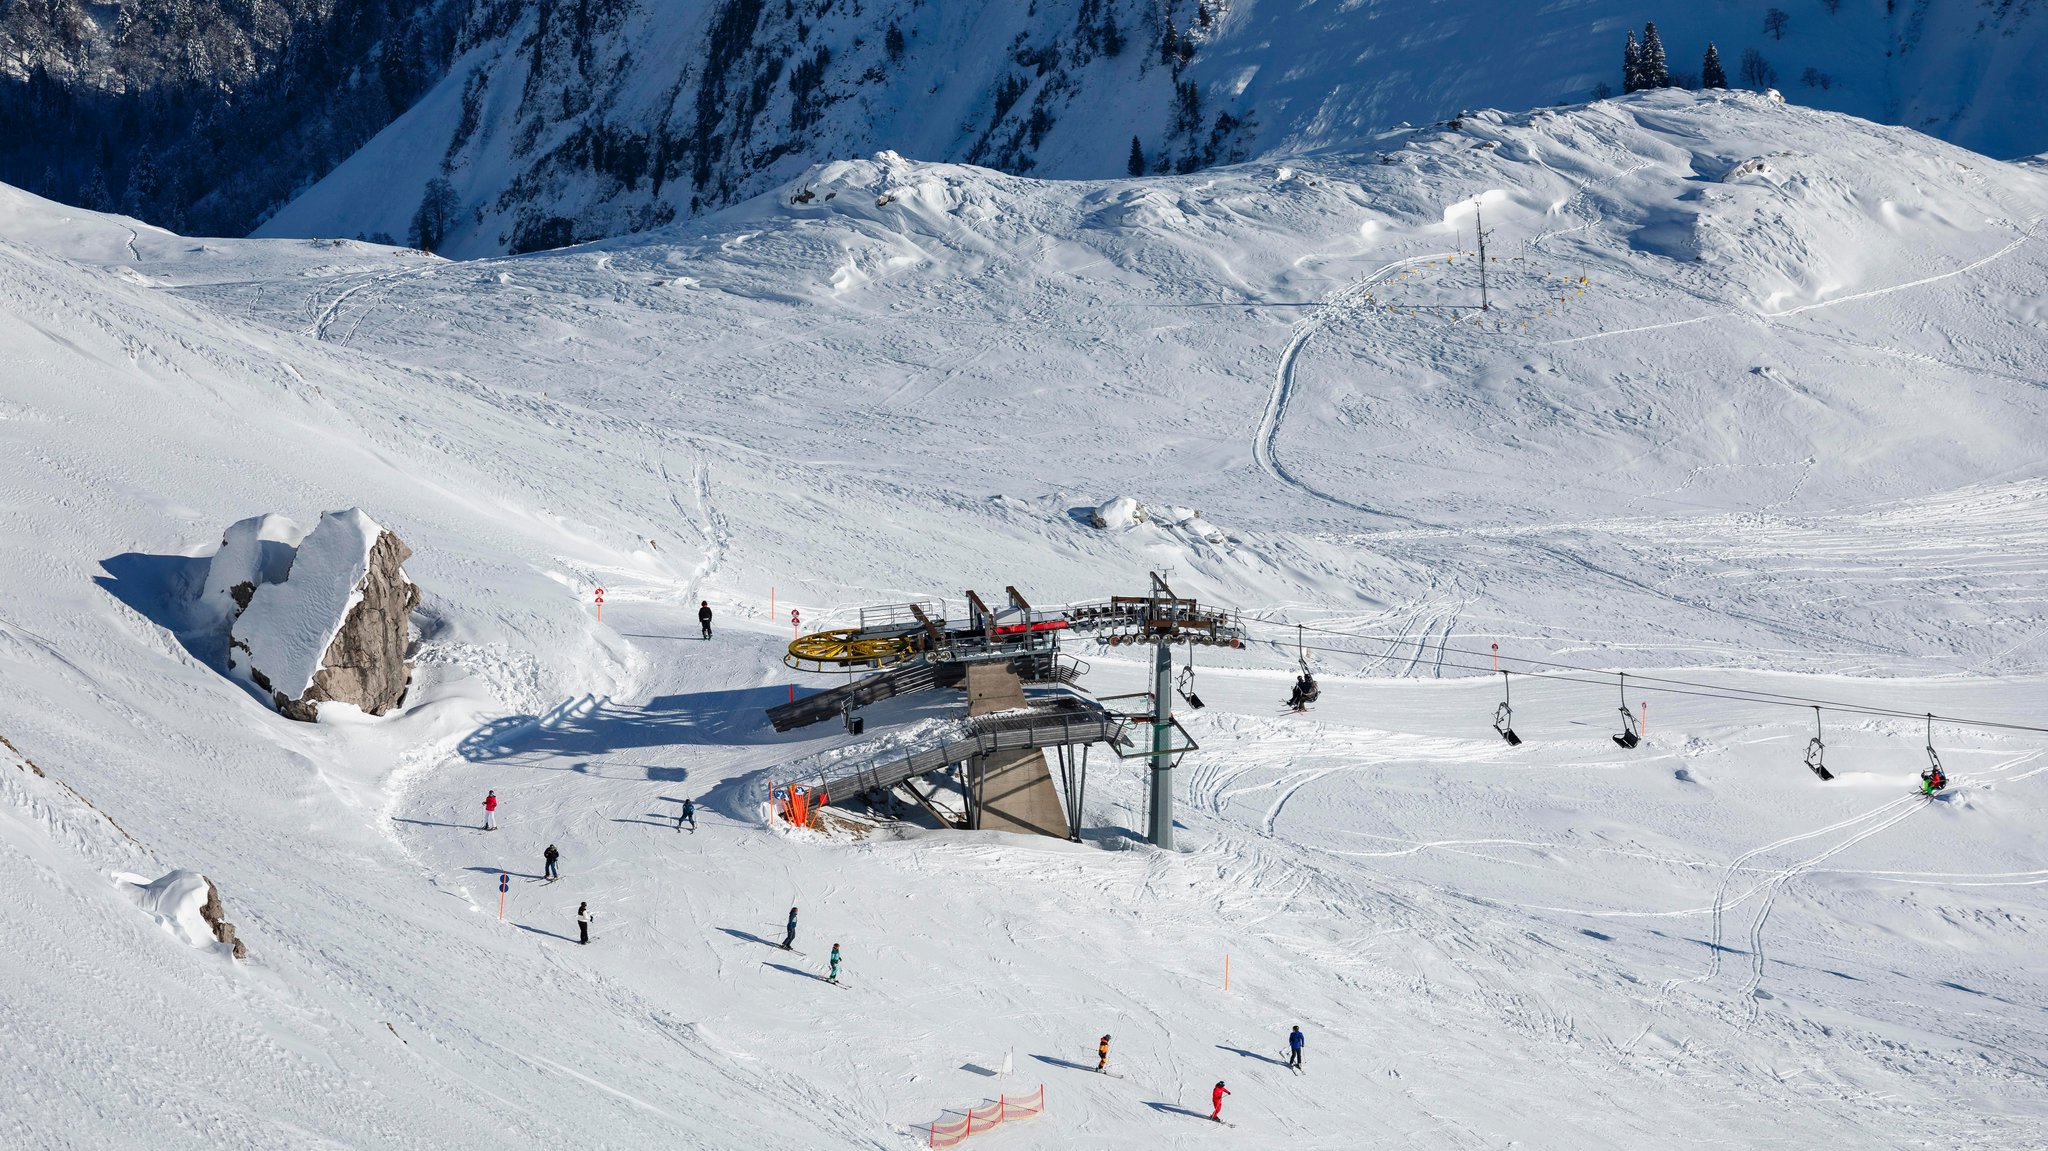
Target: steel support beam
1159, 821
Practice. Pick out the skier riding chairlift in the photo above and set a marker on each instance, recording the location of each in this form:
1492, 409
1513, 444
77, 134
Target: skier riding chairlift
1932, 780
1305, 692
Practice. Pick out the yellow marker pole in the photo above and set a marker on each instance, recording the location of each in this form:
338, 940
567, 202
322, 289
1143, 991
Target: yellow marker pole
1226, 971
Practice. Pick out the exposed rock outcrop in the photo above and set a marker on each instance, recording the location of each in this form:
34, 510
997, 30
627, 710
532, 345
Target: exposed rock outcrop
336, 628
216, 917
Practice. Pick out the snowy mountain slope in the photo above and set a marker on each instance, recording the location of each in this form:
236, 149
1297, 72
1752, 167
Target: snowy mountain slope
576, 122
1813, 475
1745, 351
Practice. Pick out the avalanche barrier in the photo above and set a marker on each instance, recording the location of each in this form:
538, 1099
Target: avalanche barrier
986, 1117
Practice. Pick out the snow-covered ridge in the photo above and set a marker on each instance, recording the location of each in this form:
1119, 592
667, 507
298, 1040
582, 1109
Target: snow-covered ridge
570, 123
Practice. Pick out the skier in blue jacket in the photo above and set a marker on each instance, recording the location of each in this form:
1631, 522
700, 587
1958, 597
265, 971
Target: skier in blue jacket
1295, 1042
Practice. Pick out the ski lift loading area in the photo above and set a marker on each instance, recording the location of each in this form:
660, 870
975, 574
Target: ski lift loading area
1019, 758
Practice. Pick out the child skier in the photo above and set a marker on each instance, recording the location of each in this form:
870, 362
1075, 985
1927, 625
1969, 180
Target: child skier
1102, 1054
704, 616
789, 937
1216, 1097
491, 811
834, 977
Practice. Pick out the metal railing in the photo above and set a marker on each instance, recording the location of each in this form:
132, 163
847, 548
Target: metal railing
1069, 721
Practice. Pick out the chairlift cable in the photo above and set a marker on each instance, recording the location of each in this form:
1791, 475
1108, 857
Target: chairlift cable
1756, 695
1691, 688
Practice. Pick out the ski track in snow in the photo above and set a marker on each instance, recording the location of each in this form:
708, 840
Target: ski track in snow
2026, 234
1266, 440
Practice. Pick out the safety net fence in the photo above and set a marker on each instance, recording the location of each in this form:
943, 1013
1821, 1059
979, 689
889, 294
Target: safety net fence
953, 1132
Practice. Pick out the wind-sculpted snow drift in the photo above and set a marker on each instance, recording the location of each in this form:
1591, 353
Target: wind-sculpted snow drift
1779, 431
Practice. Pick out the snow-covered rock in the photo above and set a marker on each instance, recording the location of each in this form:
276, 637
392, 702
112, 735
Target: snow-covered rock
1120, 512
336, 628
187, 906
253, 552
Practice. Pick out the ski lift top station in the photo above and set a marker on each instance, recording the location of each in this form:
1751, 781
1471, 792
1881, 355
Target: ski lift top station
994, 653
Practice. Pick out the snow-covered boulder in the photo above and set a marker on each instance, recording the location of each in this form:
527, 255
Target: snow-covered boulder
253, 552
336, 628
187, 906
1121, 512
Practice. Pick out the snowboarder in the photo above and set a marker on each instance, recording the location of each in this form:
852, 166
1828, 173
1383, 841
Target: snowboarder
834, 977
689, 816
704, 616
549, 856
1295, 1042
583, 917
1216, 1097
789, 937
1102, 1054
1932, 780
491, 811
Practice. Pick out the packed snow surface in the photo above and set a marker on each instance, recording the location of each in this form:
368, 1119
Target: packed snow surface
1776, 432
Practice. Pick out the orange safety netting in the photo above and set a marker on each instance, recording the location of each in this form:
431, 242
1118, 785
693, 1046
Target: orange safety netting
798, 802
952, 1133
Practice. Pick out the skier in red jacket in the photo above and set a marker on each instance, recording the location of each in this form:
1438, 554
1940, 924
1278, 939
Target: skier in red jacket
491, 811
1216, 1097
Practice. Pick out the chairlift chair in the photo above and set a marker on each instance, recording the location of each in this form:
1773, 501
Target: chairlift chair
1504, 715
1185, 687
1933, 779
1630, 735
1305, 690
1815, 750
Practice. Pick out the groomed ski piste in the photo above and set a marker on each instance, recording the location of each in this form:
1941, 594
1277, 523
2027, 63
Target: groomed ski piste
1773, 426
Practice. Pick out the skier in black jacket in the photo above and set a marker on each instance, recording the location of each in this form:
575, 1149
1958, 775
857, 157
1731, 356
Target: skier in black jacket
704, 616
549, 857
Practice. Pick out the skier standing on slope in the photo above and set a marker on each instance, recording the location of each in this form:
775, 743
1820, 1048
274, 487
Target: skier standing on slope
789, 937
549, 856
690, 815
704, 616
1216, 1097
1102, 1054
491, 811
1295, 1042
583, 917
834, 977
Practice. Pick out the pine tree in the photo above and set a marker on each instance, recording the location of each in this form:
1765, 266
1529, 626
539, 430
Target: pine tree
96, 195
1631, 65
1652, 71
1137, 164
143, 184
1711, 73
436, 215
